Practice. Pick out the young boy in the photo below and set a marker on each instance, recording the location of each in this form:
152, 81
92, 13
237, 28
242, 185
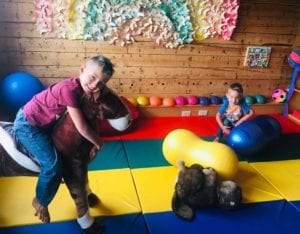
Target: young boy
35, 119
233, 111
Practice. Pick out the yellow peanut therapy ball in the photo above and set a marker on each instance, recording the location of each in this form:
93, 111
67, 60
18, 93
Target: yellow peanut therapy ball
182, 144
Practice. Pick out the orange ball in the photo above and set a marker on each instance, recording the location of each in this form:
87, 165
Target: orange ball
155, 101
167, 101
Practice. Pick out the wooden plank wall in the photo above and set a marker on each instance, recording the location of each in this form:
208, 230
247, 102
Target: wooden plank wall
201, 68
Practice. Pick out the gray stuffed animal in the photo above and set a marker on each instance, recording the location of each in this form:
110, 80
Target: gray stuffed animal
198, 187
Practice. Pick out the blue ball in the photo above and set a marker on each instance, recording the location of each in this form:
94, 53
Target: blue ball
255, 135
215, 100
204, 101
18, 88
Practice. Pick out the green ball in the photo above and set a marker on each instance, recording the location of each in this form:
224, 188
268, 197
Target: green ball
249, 99
260, 99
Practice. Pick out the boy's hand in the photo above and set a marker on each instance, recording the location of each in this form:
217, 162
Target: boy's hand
226, 130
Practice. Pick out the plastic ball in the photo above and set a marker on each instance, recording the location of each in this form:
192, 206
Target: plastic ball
215, 100
252, 136
155, 101
142, 101
168, 101
180, 101
260, 99
133, 101
183, 144
249, 100
18, 88
204, 101
192, 100
279, 95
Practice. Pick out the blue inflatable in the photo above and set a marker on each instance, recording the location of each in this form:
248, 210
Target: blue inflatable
254, 135
18, 88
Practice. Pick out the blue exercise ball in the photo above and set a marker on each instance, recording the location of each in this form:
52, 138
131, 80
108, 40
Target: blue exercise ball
18, 88
255, 135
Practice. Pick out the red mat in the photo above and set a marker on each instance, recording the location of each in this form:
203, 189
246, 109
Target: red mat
159, 127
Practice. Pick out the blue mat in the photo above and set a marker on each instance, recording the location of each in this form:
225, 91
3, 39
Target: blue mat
276, 217
123, 224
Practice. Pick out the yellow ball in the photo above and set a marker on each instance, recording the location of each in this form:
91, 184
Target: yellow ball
182, 144
132, 101
142, 101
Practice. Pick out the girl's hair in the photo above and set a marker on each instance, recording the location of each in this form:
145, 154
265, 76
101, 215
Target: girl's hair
105, 63
237, 87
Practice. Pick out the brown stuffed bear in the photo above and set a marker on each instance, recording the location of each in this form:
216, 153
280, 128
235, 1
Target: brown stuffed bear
198, 187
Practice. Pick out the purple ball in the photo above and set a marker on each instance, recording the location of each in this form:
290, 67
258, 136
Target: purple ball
192, 100
180, 101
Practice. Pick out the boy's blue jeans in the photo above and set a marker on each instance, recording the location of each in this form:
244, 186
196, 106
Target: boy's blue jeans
227, 123
39, 144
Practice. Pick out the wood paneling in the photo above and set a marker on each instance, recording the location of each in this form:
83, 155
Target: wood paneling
202, 68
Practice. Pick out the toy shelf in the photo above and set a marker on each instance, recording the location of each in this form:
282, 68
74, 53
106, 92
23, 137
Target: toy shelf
199, 110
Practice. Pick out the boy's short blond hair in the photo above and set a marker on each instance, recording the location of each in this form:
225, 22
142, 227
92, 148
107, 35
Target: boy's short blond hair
105, 63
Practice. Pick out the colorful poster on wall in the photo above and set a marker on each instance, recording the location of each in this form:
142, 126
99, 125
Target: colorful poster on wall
257, 57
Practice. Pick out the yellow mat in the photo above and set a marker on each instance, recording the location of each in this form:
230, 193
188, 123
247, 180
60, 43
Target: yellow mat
283, 175
254, 186
114, 187
155, 186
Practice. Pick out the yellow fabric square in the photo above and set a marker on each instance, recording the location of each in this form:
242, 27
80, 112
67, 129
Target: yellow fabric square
255, 188
283, 175
155, 187
115, 189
